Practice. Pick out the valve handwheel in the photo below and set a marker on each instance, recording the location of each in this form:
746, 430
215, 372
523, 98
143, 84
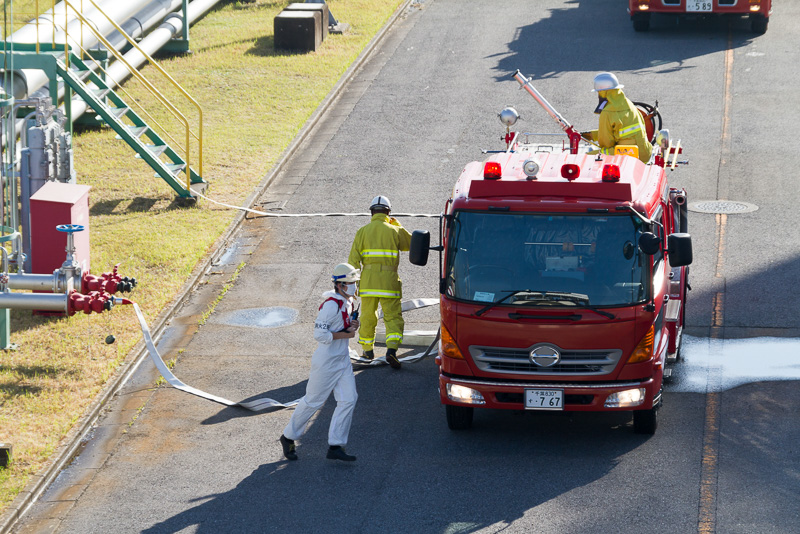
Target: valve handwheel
70, 228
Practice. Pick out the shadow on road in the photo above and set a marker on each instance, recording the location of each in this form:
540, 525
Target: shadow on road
413, 474
538, 49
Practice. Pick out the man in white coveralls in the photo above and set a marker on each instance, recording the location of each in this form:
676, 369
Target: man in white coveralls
331, 369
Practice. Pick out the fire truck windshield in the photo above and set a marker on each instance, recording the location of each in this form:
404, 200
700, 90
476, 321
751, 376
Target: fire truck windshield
591, 256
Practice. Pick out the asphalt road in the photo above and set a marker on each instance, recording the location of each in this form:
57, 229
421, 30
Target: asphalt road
723, 460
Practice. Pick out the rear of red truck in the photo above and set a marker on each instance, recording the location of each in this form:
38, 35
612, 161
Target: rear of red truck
557, 288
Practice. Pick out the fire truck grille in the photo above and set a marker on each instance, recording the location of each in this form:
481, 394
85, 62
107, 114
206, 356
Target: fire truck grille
518, 361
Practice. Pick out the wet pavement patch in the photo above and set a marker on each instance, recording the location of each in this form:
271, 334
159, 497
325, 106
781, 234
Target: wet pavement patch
271, 317
720, 364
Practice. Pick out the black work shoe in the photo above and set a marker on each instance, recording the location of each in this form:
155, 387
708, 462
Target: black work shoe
368, 355
288, 448
391, 359
337, 453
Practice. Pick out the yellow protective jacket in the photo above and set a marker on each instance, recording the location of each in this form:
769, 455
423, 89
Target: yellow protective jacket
376, 249
621, 124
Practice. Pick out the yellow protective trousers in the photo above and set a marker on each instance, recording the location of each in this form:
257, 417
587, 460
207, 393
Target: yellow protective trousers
392, 318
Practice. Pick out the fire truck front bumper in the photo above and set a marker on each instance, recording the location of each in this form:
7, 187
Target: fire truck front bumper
550, 396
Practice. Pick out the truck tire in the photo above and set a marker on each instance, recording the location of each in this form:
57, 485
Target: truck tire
641, 21
759, 23
459, 417
645, 421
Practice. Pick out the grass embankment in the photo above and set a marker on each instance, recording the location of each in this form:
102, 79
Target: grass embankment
254, 103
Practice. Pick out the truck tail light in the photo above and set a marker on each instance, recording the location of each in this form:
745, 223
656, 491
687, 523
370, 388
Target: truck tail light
447, 345
644, 350
570, 171
644, 5
611, 173
492, 171
755, 5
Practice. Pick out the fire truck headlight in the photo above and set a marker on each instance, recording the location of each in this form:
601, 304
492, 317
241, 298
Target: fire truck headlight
464, 394
626, 399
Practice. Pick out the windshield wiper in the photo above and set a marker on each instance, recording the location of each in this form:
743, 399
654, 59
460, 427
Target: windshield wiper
596, 310
578, 299
491, 305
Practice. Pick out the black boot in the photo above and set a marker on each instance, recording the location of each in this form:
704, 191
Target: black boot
368, 354
336, 452
288, 448
391, 359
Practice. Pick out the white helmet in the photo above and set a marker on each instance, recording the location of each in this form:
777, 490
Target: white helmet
380, 203
605, 81
344, 272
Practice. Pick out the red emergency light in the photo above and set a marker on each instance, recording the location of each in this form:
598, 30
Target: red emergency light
570, 171
492, 171
610, 173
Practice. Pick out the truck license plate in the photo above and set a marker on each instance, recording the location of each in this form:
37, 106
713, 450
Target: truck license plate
696, 5
544, 399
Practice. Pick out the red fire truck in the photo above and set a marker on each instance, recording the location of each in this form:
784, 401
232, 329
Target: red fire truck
758, 10
563, 279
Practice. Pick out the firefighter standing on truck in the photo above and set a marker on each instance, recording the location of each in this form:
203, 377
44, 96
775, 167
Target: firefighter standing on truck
620, 122
376, 248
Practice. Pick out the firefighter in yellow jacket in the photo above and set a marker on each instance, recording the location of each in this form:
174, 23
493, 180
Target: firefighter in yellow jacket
376, 249
620, 122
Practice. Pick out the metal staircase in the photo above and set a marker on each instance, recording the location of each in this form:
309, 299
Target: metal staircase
84, 72
128, 125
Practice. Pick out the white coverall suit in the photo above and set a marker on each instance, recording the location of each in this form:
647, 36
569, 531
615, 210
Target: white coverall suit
331, 370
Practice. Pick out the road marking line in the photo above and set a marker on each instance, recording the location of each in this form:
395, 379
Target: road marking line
709, 473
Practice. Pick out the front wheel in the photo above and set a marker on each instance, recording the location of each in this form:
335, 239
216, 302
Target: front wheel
759, 23
459, 417
641, 21
645, 421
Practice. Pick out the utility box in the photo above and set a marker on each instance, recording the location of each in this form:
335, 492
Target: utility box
322, 7
299, 31
54, 204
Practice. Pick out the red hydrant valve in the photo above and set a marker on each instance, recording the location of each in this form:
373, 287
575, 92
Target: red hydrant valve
109, 282
95, 301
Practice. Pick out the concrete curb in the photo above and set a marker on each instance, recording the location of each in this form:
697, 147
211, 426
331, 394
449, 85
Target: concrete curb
72, 442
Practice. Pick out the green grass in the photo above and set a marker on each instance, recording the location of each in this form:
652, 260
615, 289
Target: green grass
254, 101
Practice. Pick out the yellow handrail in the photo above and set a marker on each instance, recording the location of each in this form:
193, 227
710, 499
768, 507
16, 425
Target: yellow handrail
175, 112
153, 62
132, 99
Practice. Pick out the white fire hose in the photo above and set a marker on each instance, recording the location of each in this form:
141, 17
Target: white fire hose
263, 404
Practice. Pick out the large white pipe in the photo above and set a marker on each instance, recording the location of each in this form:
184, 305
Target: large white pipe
26, 81
172, 26
141, 22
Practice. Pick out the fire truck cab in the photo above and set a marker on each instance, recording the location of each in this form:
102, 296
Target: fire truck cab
563, 281
758, 10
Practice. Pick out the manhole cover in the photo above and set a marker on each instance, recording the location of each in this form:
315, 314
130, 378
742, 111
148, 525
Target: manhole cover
722, 206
